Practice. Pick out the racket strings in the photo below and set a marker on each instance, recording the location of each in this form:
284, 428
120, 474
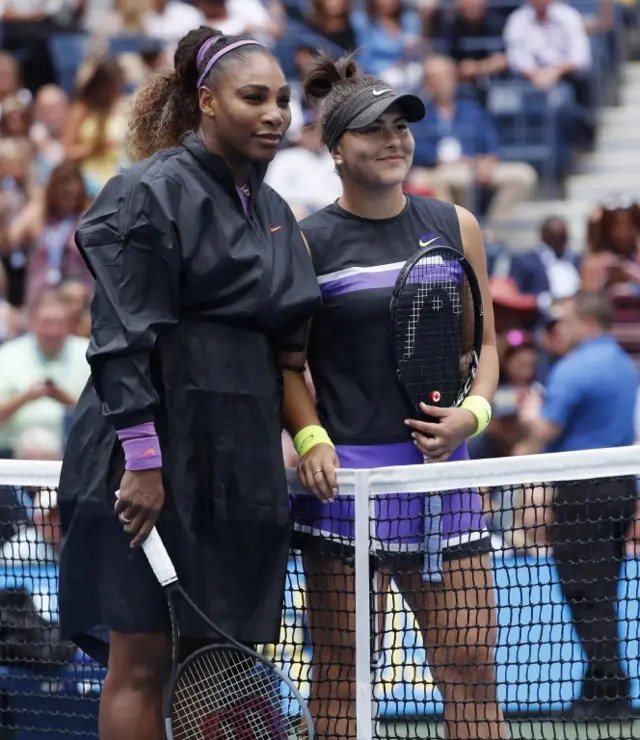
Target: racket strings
434, 331
225, 694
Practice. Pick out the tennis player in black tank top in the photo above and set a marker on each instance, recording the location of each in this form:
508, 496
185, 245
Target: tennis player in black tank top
358, 246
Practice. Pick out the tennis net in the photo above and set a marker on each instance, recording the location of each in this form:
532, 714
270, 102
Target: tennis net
414, 606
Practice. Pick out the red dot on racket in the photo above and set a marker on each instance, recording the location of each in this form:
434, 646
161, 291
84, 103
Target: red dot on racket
435, 396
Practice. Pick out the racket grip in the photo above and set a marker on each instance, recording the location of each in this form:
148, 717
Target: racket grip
159, 559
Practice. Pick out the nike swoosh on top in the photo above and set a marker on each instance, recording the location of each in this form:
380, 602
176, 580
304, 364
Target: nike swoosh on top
380, 92
426, 244
275, 228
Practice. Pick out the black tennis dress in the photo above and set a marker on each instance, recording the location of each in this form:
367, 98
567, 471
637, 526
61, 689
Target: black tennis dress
194, 302
357, 261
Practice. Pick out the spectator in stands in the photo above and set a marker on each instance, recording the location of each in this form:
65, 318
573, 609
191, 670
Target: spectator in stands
53, 255
388, 37
472, 35
550, 340
264, 21
546, 44
94, 136
613, 257
17, 196
77, 294
9, 315
125, 17
43, 372
9, 76
304, 175
518, 356
170, 20
303, 55
549, 271
457, 147
26, 30
331, 19
15, 117
50, 112
18, 509
590, 404
36, 542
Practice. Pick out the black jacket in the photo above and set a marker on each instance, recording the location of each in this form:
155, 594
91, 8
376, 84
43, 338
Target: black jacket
194, 302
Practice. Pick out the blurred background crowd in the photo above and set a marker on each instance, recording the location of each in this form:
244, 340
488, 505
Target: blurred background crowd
530, 111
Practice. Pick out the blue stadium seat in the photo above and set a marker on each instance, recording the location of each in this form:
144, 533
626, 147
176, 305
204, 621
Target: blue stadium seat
528, 122
68, 51
125, 44
487, 44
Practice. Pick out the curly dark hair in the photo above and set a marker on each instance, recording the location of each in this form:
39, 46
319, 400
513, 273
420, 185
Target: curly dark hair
167, 107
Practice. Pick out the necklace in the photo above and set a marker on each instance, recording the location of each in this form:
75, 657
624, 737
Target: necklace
345, 206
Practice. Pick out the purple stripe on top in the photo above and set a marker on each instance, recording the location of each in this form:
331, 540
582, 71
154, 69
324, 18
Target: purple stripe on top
387, 278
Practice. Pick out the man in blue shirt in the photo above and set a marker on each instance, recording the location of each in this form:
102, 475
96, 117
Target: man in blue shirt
590, 403
457, 147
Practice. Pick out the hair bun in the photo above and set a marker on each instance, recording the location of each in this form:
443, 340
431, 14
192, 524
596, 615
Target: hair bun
324, 73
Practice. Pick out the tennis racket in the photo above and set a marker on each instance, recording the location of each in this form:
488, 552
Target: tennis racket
224, 691
436, 328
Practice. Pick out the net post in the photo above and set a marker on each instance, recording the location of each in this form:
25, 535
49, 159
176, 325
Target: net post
363, 618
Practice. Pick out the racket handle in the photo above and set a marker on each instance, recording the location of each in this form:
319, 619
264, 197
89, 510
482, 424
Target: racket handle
159, 559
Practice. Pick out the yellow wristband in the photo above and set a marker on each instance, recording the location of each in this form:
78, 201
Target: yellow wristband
309, 437
481, 409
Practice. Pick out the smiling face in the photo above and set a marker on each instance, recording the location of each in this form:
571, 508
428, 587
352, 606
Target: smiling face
247, 113
379, 155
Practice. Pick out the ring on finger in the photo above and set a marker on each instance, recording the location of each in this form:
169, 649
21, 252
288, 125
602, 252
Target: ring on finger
315, 472
124, 520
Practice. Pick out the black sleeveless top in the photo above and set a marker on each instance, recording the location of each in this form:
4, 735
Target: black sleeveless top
357, 261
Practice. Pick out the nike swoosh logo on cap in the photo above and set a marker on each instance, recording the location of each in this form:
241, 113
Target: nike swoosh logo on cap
380, 92
426, 244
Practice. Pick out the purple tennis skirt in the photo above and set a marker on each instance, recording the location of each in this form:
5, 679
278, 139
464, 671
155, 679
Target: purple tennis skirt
400, 522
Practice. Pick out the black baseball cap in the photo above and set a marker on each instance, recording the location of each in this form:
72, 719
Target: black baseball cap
382, 98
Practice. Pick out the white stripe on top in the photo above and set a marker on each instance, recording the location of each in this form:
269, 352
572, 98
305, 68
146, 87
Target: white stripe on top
351, 271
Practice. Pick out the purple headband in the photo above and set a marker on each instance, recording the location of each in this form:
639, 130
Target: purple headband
208, 44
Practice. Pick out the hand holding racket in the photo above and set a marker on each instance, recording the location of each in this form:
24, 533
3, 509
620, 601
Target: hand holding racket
436, 338
225, 691
437, 440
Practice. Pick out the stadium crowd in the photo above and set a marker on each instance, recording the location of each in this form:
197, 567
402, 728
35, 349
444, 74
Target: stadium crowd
67, 68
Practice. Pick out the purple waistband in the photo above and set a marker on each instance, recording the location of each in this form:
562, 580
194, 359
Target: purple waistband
388, 455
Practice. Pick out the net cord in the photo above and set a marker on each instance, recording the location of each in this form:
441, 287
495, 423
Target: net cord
562, 466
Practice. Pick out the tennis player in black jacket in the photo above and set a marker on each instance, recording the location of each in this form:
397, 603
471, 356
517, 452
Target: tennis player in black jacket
204, 286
